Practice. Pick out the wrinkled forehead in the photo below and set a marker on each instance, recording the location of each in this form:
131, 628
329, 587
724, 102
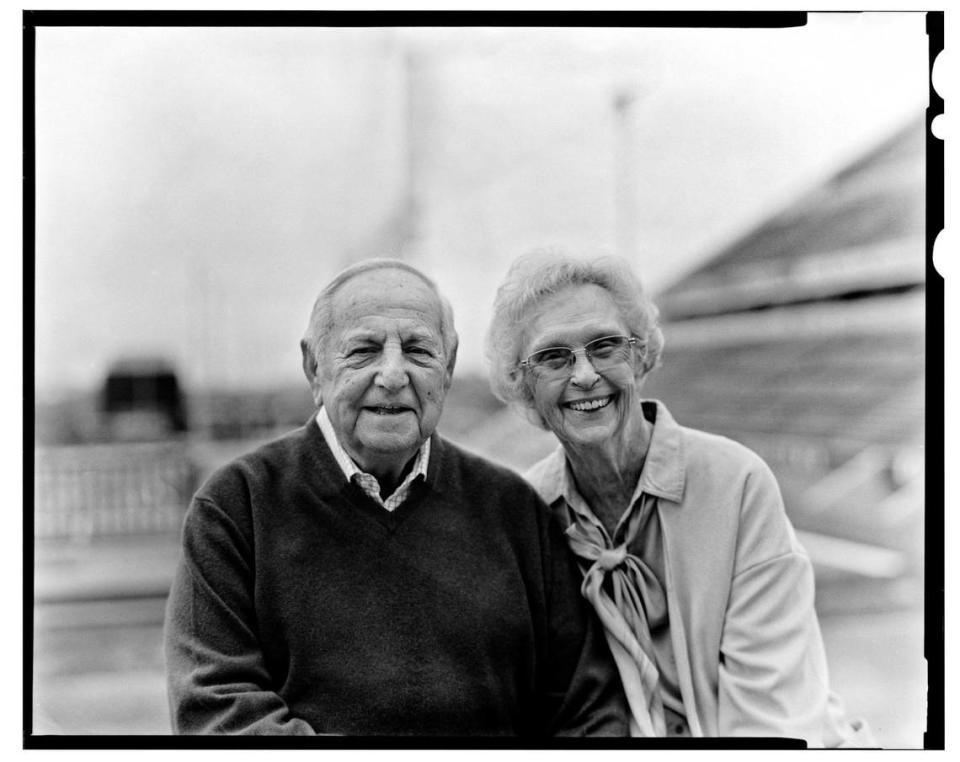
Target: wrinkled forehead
572, 315
386, 294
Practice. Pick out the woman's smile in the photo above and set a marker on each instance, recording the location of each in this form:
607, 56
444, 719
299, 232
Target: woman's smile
589, 405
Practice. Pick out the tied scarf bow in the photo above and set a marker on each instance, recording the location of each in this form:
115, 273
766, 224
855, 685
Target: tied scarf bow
626, 616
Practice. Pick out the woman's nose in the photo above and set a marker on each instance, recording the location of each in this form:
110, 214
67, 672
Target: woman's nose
583, 374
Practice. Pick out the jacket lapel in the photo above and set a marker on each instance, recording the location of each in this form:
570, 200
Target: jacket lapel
664, 475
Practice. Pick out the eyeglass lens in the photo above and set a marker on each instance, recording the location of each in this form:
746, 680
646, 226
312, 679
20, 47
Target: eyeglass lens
603, 353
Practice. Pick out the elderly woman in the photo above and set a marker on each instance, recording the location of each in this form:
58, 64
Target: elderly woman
688, 557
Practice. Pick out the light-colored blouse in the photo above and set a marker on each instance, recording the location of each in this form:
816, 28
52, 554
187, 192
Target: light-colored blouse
747, 654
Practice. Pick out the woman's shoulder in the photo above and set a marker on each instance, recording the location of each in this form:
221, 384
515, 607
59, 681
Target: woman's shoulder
703, 448
713, 464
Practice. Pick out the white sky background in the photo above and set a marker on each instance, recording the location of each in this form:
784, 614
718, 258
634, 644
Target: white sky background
196, 187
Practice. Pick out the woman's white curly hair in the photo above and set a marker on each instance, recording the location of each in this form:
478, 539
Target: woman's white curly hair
543, 272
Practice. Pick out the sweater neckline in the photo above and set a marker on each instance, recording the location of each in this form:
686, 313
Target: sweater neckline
331, 481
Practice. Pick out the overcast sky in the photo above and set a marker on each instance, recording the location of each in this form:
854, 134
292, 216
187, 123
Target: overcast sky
196, 187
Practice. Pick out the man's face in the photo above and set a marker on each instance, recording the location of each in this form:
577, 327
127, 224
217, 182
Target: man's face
382, 373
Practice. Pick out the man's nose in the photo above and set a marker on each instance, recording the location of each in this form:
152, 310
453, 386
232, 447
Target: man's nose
392, 373
583, 374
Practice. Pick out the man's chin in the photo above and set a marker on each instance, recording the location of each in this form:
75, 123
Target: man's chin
387, 443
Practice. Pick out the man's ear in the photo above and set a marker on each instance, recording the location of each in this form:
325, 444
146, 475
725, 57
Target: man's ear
451, 362
310, 370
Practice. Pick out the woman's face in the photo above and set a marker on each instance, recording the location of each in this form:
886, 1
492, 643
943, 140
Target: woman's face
582, 407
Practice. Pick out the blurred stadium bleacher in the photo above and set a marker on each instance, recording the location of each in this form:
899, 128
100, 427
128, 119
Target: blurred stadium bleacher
805, 340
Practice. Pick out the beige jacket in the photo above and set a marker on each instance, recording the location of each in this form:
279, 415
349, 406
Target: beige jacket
748, 649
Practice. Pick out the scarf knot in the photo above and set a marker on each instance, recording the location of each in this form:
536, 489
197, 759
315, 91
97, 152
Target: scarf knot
610, 558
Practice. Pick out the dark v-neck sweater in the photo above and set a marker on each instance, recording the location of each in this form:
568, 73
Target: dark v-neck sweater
300, 606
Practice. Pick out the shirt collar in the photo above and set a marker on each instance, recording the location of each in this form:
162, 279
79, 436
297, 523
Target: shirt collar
347, 464
663, 471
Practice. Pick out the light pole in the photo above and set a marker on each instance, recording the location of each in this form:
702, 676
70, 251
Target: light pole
625, 173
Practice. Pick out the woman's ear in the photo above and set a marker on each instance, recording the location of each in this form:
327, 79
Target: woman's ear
640, 374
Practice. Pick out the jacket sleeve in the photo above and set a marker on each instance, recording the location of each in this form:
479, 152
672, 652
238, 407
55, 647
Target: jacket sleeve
584, 695
773, 670
217, 680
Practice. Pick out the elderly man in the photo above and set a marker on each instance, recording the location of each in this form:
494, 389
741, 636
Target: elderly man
361, 575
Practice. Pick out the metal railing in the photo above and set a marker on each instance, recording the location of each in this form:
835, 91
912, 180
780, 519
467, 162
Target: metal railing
87, 491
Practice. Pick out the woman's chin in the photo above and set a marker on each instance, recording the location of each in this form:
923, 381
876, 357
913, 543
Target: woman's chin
587, 430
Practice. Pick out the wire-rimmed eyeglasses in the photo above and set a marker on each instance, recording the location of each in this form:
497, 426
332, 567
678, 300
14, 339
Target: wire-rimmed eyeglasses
603, 354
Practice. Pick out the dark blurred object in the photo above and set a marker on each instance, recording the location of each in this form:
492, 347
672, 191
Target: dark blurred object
142, 401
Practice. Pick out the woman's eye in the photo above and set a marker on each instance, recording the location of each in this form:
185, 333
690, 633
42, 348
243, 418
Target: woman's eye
605, 347
552, 356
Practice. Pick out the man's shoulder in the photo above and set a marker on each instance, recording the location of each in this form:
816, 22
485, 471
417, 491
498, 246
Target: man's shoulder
285, 445
280, 453
483, 488
469, 468
545, 474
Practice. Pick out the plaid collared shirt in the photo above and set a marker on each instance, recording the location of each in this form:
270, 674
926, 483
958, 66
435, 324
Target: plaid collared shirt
367, 482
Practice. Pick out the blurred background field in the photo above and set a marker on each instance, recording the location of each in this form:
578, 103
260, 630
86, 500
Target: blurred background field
782, 236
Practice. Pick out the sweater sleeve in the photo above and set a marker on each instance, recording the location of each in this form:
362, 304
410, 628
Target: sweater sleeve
217, 680
584, 695
773, 671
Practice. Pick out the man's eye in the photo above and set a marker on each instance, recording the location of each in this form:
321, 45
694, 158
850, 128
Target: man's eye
423, 351
360, 352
